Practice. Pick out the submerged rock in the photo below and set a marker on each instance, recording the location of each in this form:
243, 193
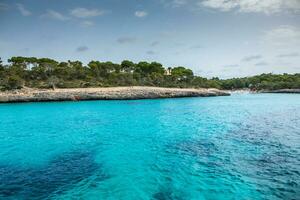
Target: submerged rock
112, 93
57, 176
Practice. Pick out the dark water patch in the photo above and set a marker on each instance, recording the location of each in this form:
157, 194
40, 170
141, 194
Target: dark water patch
165, 195
281, 169
194, 148
204, 152
59, 175
168, 193
270, 158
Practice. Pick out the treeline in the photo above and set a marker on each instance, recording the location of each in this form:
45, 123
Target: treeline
264, 82
47, 73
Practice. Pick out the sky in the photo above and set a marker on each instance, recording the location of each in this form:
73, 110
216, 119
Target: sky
224, 38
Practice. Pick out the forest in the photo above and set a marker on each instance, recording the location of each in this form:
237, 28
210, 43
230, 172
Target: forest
20, 72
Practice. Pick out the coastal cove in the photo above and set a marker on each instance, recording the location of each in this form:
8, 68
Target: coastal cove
238, 146
150, 100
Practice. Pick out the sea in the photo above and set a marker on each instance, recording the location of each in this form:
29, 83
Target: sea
243, 146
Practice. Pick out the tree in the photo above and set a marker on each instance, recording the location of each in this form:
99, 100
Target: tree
147, 68
200, 82
127, 66
182, 72
1, 69
2, 75
18, 61
14, 82
43, 68
101, 70
62, 71
156, 67
45, 72
52, 82
143, 68
76, 70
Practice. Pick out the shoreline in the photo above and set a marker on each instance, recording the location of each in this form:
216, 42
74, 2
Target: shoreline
248, 91
283, 91
109, 93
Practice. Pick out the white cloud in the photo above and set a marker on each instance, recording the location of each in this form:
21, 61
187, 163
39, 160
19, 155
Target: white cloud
283, 36
222, 5
23, 10
55, 15
140, 13
178, 3
86, 13
253, 6
87, 23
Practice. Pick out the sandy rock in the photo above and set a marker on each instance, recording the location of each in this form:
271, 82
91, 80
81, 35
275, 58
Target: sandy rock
111, 93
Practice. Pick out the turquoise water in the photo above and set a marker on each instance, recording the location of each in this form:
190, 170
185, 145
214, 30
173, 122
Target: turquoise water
238, 147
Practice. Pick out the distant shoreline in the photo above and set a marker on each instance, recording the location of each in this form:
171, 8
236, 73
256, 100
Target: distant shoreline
248, 91
286, 91
110, 93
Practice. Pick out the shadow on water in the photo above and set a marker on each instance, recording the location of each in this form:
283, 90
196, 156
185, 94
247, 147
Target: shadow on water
275, 165
256, 154
191, 148
204, 152
166, 194
196, 148
59, 175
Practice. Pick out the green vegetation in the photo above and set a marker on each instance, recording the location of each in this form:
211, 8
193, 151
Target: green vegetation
47, 73
264, 82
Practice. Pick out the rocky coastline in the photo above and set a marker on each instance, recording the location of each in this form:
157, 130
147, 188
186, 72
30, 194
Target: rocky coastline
290, 91
111, 93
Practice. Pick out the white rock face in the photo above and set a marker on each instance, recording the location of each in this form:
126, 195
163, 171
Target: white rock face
111, 93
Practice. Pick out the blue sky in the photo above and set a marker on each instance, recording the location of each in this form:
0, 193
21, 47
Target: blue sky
224, 38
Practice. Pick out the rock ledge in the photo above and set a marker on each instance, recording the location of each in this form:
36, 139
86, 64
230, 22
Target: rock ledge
111, 93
